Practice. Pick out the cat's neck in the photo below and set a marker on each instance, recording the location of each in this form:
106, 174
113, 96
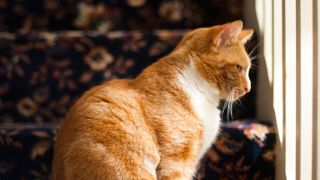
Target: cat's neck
204, 101
161, 75
176, 73
194, 84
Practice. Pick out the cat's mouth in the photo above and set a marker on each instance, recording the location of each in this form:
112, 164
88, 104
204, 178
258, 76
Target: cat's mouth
234, 95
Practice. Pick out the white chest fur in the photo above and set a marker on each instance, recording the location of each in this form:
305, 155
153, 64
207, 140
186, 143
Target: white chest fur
204, 101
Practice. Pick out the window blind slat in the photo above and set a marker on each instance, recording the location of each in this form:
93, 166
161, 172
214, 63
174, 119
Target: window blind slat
317, 133
278, 96
290, 89
306, 82
278, 86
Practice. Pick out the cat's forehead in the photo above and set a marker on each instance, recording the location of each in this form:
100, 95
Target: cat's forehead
236, 55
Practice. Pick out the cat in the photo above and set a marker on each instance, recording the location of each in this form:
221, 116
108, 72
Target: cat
160, 124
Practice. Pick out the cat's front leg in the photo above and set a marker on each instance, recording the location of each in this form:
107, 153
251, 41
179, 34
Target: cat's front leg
172, 169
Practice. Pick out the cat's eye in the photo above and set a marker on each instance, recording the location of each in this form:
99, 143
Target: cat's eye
239, 68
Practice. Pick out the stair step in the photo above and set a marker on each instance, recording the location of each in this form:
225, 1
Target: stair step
106, 15
42, 74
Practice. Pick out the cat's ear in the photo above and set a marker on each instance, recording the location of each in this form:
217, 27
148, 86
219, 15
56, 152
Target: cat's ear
245, 35
228, 33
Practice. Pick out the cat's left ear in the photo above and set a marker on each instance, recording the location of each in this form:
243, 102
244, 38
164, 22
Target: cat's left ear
228, 33
245, 35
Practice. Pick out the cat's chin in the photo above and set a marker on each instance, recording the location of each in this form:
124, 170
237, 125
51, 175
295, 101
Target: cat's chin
234, 97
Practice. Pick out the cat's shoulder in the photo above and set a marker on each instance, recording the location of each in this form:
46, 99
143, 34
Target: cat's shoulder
112, 88
106, 98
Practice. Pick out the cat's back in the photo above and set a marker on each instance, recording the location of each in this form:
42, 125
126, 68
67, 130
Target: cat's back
105, 99
102, 107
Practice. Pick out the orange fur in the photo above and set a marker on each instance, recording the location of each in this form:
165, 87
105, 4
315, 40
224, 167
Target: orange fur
147, 128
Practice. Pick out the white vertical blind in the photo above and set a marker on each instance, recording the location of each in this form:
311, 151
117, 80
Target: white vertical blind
291, 53
278, 56
290, 88
317, 59
278, 79
317, 146
317, 90
306, 78
267, 47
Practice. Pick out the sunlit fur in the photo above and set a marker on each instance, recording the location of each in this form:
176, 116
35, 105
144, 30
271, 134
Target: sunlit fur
158, 125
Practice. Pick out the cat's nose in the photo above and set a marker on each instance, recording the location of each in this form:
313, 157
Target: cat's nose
247, 88
247, 84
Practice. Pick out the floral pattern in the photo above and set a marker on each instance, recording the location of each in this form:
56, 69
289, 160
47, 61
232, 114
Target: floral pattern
235, 155
106, 15
26, 151
65, 65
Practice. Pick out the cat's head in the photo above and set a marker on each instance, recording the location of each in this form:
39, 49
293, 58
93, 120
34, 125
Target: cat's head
220, 57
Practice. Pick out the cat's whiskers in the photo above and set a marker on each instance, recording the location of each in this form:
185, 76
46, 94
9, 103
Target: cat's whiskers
238, 100
225, 105
228, 104
231, 103
253, 67
253, 50
257, 56
229, 111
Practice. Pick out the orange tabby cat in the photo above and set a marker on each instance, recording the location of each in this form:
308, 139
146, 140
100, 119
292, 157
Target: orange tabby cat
159, 125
